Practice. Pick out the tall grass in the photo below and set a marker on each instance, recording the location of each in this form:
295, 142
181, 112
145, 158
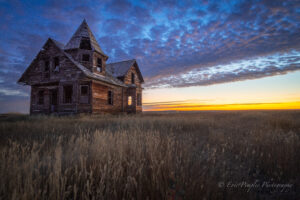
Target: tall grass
150, 156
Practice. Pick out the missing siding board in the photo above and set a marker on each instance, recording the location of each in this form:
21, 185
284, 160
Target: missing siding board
68, 93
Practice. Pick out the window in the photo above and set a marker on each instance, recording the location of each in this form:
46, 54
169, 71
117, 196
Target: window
41, 97
129, 100
99, 65
85, 43
132, 78
56, 64
68, 92
139, 99
110, 98
86, 57
84, 90
47, 64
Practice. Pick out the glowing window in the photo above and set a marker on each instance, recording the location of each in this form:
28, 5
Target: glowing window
129, 100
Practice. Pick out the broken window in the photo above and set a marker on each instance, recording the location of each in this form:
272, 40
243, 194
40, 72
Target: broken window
86, 57
129, 100
41, 97
139, 99
68, 92
110, 99
99, 64
132, 78
85, 44
56, 64
84, 90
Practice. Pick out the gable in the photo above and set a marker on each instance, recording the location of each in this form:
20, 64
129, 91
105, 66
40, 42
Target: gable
121, 69
49, 56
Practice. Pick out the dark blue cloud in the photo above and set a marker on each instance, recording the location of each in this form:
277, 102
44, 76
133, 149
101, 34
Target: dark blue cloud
168, 38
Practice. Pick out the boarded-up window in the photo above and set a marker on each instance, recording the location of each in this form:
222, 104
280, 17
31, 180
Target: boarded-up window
99, 64
85, 44
86, 57
68, 92
139, 99
110, 98
129, 100
132, 78
41, 97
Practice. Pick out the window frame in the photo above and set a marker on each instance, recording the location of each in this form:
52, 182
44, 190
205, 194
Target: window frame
129, 98
132, 78
110, 97
87, 90
99, 65
64, 94
41, 97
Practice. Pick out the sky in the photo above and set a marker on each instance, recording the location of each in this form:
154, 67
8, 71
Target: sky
194, 55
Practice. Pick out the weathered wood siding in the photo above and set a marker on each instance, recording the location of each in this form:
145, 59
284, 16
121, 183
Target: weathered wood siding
100, 98
133, 91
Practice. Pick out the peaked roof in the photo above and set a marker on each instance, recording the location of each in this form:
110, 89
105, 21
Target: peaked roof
119, 69
84, 31
87, 72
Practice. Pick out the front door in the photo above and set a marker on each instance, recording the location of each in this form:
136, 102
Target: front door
53, 100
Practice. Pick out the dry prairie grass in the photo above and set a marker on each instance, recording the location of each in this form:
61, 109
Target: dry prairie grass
151, 156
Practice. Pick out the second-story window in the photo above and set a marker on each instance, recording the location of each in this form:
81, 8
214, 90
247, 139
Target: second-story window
132, 78
47, 65
85, 43
99, 65
41, 97
56, 64
85, 57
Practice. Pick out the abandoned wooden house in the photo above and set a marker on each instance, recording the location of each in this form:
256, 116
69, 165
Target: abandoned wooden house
75, 78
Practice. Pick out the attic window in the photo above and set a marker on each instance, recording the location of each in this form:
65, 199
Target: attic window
110, 98
85, 44
85, 57
99, 65
47, 64
132, 78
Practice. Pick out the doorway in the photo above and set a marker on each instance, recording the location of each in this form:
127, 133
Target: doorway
53, 100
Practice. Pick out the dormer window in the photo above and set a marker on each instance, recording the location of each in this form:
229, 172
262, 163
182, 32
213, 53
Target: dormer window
99, 65
132, 78
86, 57
85, 43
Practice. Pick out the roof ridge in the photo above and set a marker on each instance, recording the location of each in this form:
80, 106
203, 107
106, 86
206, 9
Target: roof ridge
122, 61
84, 31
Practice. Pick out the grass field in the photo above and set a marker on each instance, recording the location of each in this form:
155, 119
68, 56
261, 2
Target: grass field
201, 155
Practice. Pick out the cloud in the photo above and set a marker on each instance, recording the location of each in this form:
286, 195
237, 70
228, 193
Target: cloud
192, 42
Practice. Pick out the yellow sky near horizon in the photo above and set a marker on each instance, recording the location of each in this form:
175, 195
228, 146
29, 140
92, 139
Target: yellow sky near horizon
276, 92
